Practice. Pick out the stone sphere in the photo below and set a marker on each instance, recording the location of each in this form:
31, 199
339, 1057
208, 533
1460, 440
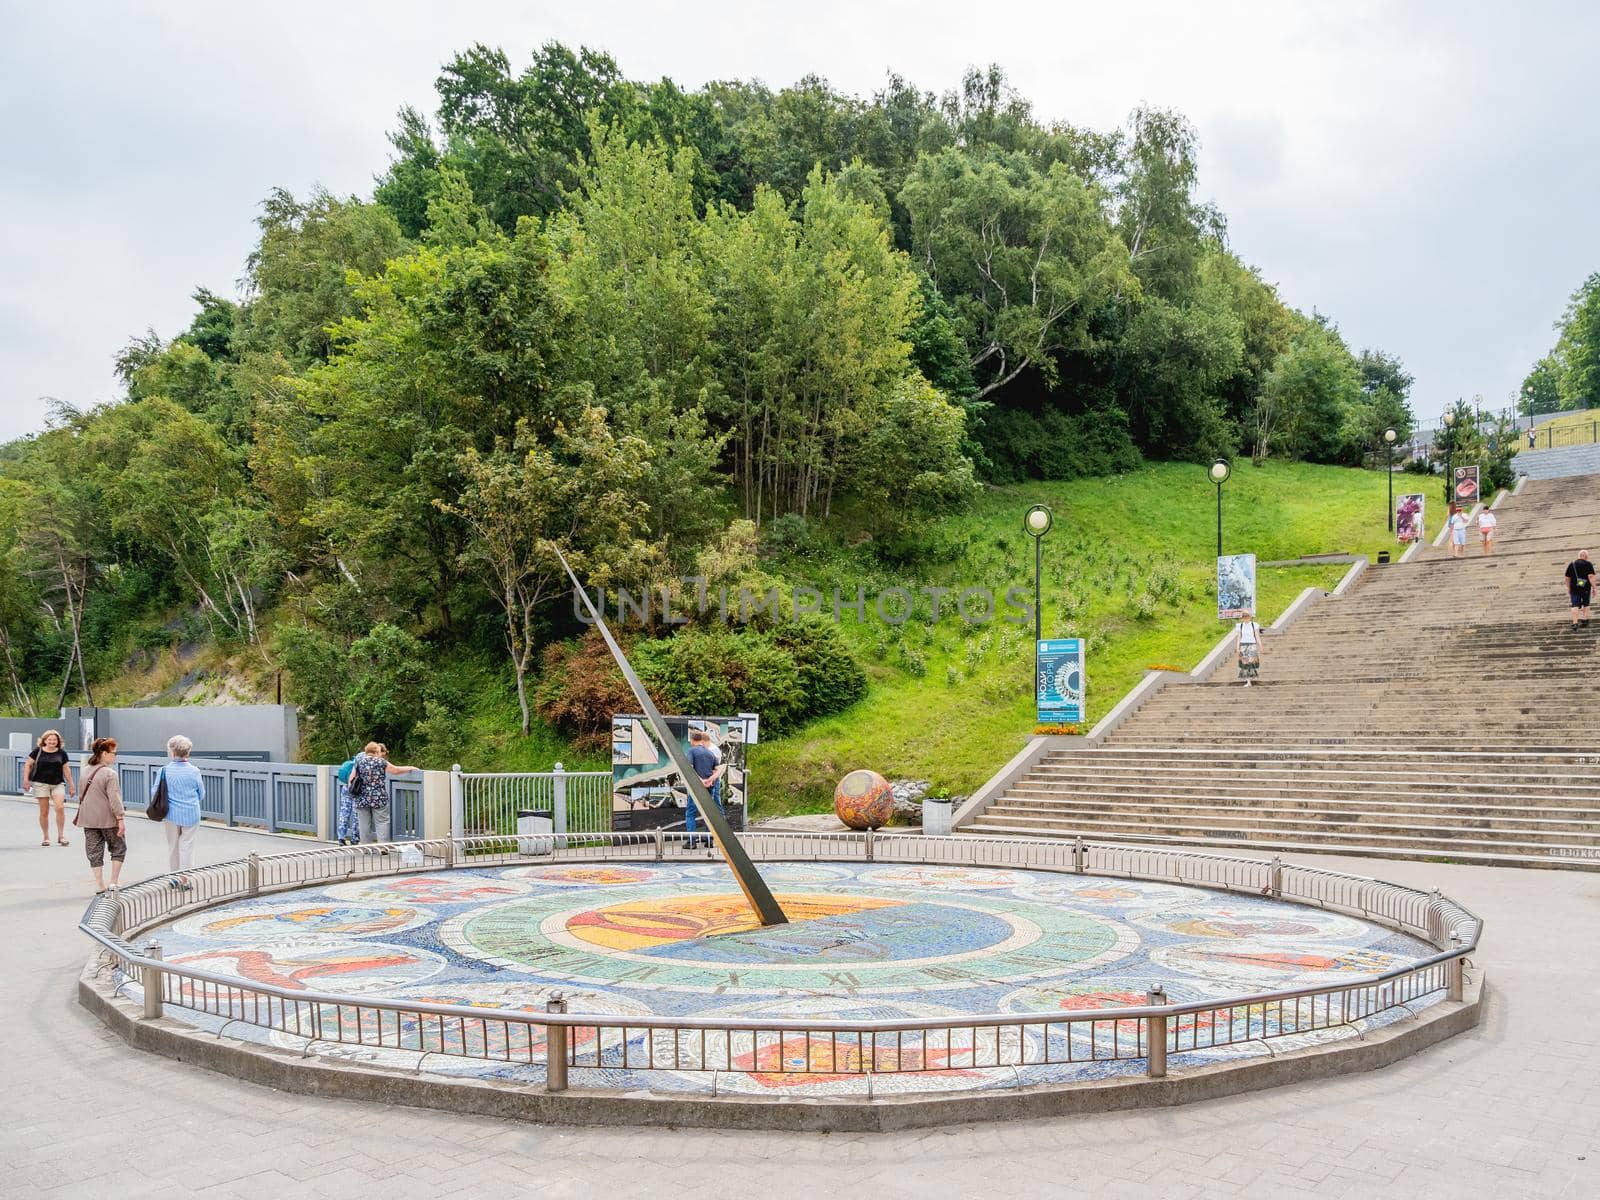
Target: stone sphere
864, 800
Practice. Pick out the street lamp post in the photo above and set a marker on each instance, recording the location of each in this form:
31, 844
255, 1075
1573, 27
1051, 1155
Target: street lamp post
1388, 444
1037, 522
1449, 459
1219, 472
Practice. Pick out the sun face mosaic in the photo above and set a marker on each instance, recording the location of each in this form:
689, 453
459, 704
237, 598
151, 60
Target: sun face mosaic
864, 942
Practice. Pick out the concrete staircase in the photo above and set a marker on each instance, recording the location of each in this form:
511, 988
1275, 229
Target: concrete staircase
1441, 709
1559, 463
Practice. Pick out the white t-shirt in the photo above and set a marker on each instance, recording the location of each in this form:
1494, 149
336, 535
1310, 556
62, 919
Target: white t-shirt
1487, 521
1249, 633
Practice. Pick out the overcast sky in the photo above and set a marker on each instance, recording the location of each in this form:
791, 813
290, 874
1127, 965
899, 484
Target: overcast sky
1428, 174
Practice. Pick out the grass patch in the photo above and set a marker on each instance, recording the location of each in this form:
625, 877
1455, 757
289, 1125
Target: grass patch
1129, 565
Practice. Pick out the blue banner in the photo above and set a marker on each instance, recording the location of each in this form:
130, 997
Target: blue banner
1059, 687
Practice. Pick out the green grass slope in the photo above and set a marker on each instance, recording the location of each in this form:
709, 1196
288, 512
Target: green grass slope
1130, 565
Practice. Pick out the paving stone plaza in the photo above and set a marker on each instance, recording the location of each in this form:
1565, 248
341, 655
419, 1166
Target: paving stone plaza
1511, 1108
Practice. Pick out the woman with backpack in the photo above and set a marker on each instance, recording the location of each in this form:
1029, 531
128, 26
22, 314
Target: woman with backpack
369, 791
100, 814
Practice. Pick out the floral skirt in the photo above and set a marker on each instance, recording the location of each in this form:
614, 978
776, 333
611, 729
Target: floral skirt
1249, 661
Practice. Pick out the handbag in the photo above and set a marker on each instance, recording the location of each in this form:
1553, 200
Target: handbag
156, 810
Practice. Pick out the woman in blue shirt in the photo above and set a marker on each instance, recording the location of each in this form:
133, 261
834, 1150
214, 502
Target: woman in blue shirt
186, 791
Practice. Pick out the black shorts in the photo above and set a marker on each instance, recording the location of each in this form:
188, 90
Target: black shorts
1579, 597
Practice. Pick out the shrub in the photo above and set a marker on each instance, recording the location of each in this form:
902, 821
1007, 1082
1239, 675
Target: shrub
1021, 445
580, 688
830, 677
789, 673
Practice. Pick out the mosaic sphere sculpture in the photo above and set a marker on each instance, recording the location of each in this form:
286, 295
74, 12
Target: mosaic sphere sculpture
864, 800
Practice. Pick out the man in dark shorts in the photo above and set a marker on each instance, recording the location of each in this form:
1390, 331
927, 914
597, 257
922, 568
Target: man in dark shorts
1579, 572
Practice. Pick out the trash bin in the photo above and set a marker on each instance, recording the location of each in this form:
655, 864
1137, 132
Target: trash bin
535, 831
936, 817
1383, 556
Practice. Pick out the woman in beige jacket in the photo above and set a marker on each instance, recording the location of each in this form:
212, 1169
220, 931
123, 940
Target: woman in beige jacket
100, 813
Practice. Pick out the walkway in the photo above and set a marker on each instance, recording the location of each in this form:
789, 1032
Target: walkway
1510, 1110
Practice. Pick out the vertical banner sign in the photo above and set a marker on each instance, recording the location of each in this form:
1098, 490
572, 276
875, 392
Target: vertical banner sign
1059, 688
1236, 586
1408, 517
1466, 482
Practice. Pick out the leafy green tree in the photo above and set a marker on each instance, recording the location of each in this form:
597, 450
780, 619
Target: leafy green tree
1173, 362
814, 310
1161, 223
626, 265
1308, 396
1380, 371
1024, 257
1541, 388
527, 499
1578, 347
521, 137
453, 348
1266, 326
299, 272
19, 597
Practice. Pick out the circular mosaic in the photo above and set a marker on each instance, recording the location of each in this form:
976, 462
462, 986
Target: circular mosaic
870, 941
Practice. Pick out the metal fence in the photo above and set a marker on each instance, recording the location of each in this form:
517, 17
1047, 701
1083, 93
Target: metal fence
558, 1040
263, 795
275, 796
483, 805
1551, 435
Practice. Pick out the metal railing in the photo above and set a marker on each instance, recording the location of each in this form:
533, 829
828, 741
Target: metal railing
485, 804
278, 797
264, 795
560, 1040
1552, 435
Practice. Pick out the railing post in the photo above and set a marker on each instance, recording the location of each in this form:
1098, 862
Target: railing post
458, 810
1156, 1035
1275, 878
558, 803
152, 983
253, 873
1077, 854
1456, 979
661, 844
555, 1047
869, 845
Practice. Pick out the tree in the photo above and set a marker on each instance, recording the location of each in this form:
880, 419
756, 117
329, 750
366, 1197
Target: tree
1578, 347
521, 137
814, 311
1541, 388
1160, 221
299, 272
1307, 397
453, 347
19, 598
1172, 364
1023, 256
577, 493
1380, 371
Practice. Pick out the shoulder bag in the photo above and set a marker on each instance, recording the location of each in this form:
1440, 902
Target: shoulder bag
156, 810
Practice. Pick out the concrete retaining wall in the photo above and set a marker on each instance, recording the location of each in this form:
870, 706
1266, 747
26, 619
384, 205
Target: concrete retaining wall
269, 730
290, 1072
